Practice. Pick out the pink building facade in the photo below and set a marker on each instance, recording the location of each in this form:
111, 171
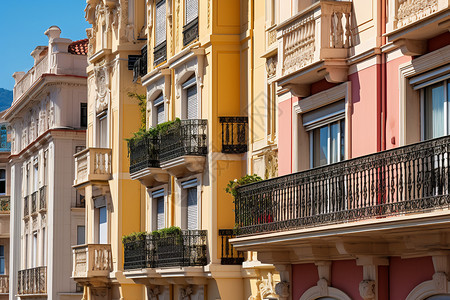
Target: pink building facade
360, 209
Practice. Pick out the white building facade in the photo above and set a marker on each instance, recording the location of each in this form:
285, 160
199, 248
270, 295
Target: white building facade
48, 121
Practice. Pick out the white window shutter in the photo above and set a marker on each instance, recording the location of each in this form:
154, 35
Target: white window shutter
160, 213
191, 10
161, 117
160, 30
192, 107
192, 210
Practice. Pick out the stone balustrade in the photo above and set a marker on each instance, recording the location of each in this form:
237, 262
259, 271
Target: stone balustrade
92, 164
4, 284
318, 33
92, 260
31, 77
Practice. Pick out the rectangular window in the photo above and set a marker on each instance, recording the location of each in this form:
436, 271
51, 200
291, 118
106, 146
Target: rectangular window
102, 226
81, 230
160, 26
191, 10
2, 260
158, 214
2, 181
158, 103
44, 246
103, 131
36, 178
190, 86
83, 115
436, 110
328, 144
34, 250
192, 211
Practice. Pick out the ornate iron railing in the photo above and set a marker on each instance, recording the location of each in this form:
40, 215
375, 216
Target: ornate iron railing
32, 281
26, 210
160, 53
4, 284
410, 179
190, 32
187, 137
234, 134
5, 203
140, 66
178, 250
230, 256
34, 202
144, 153
43, 198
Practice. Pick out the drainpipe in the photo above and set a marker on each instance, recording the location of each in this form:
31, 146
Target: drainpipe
382, 76
252, 92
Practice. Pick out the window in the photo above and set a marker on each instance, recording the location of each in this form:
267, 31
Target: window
191, 10
326, 128
160, 116
44, 247
81, 235
2, 260
34, 251
83, 115
158, 215
160, 26
191, 107
35, 177
2, 181
102, 226
436, 110
26, 251
102, 131
190, 206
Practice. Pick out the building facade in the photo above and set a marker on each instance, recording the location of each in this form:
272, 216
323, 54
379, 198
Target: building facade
360, 207
48, 122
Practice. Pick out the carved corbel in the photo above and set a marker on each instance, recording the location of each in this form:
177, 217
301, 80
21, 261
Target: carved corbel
167, 84
299, 90
282, 290
200, 54
368, 286
185, 293
412, 47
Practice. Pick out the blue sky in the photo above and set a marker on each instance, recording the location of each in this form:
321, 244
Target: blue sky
22, 27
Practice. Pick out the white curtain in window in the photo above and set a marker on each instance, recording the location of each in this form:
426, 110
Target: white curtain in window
191, 10
160, 30
434, 111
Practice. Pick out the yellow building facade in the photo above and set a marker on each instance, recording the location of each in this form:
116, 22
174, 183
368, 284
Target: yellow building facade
158, 218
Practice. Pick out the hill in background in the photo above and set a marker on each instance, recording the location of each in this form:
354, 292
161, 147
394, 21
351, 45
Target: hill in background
6, 98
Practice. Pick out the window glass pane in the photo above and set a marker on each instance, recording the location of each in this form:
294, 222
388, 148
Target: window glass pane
102, 229
160, 212
103, 138
2, 265
334, 142
434, 111
2, 187
342, 144
160, 30
83, 114
2, 174
439, 297
320, 146
80, 235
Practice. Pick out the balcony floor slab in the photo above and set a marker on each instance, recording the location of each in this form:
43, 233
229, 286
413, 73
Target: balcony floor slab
184, 165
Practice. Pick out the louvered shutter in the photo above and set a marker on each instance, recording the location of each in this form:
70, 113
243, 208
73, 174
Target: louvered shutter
160, 213
192, 107
160, 30
192, 218
160, 114
191, 10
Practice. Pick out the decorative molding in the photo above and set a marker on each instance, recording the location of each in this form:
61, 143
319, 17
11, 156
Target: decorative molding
102, 88
282, 290
185, 293
321, 99
367, 289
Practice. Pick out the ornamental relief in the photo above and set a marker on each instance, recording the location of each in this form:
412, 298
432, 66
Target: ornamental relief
109, 14
410, 11
102, 88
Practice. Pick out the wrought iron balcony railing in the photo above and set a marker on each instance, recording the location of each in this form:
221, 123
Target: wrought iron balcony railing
32, 281
409, 179
190, 32
144, 153
187, 137
92, 164
43, 198
26, 210
234, 134
5, 204
178, 250
34, 202
4, 284
160, 53
92, 260
230, 256
140, 66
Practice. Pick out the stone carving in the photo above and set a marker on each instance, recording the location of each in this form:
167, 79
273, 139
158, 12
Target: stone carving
271, 66
91, 37
185, 293
410, 11
282, 289
271, 37
367, 289
152, 293
271, 164
323, 287
129, 33
178, 22
266, 286
102, 88
440, 281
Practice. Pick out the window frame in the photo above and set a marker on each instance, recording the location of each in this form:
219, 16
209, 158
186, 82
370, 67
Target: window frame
339, 139
3, 180
446, 92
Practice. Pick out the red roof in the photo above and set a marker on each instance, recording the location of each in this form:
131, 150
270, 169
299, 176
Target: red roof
79, 47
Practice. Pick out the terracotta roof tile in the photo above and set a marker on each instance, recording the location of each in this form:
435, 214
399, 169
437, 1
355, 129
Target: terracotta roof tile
79, 47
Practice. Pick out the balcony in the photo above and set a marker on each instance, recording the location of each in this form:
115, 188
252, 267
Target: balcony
91, 263
160, 53
229, 255
5, 204
4, 284
414, 22
190, 32
140, 65
314, 45
32, 281
92, 165
31, 77
187, 249
43, 198
183, 147
34, 202
234, 134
